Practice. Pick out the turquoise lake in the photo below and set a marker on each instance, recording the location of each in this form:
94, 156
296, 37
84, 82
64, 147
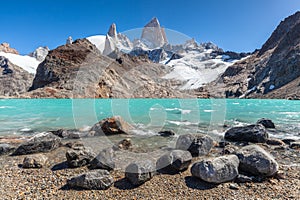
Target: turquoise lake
29, 116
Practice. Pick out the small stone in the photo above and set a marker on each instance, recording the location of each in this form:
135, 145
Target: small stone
274, 141
229, 149
93, 180
295, 145
34, 161
243, 179
288, 141
125, 144
166, 133
233, 186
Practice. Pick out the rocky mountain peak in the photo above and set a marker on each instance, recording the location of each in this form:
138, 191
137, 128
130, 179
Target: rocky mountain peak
154, 35
280, 32
40, 53
112, 32
153, 23
5, 47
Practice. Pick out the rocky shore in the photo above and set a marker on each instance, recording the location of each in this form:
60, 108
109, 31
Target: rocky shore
69, 164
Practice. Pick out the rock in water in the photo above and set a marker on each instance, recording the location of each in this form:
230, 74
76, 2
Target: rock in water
267, 123
252, 133
218, 170
111, 126
93, 180
167, 133
174, 161
34, 161
255, 160
198, 145
140, 172
104, 160
43, 142
79, 157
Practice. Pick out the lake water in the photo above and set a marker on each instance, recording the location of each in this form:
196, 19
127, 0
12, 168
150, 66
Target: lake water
24, 116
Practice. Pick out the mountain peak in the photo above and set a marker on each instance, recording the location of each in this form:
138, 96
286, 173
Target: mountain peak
153, 23
112, 32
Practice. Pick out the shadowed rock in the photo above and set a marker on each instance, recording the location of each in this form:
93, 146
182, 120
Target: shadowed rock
174, 161
140, 172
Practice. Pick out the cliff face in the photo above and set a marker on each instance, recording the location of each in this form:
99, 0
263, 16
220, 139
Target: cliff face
268, 70
78, 70
13, 79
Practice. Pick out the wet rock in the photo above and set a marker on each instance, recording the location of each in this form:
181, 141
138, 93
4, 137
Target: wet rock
80, 157
140, 172
288, 141
6, 149
111, 126
125, 144
34, 161
167, 133
295, 145
198, 144
267, 123
40, 143
274, 141
218, 170
104, 160
93, 180
174, 161
255, 160
251, 133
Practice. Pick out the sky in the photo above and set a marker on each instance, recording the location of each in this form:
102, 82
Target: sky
235, 25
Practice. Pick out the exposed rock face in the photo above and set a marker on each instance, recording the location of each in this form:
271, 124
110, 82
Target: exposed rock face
5, 47
80, 71
40, 53
252, 133
111, 126
218, 170
198, 145
13, 79
93, 180
269, 70
153, 35
43, 142
256, 161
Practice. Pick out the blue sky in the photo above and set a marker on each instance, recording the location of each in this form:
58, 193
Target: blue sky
237, 25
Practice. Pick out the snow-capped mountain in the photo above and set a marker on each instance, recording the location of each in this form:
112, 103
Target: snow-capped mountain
192, 63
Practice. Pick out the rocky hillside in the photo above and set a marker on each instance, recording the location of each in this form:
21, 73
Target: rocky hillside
271, 72
13, 79
79, 70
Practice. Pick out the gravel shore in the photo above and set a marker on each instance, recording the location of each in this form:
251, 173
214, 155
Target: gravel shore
50, 182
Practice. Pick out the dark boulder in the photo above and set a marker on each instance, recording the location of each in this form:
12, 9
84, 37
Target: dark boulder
267, 123
166, 133
43, 142
252, 133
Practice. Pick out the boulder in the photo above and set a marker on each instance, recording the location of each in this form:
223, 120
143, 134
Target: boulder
252, 133
256, 161
40, 143
295, 145
198, 144
104, 160
34, 161
167, 133
140, 172
6, 149
267, 123
217, 170
79, 157
174, 161
275, 141
93, 180
111, 126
